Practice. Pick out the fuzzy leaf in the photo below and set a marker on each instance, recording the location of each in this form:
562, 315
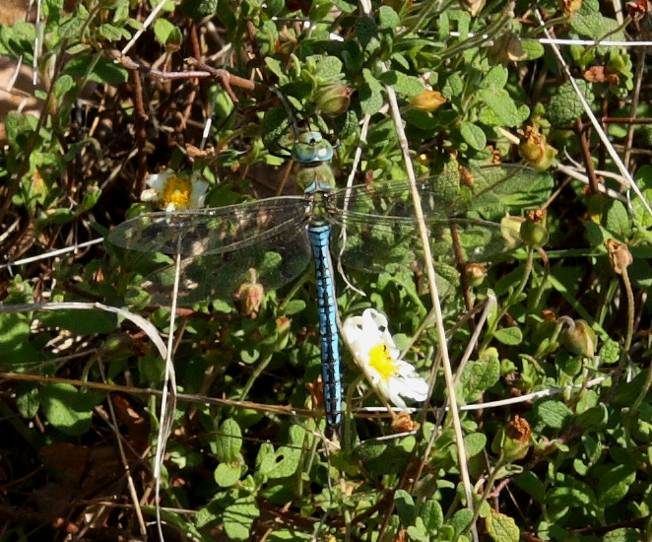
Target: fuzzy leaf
502, 528
553, 413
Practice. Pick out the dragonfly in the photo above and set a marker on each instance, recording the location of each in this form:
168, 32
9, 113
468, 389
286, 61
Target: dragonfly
277, 236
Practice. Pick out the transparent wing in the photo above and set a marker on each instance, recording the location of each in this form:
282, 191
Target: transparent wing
211, 231
273, 262
378, 223
222, 248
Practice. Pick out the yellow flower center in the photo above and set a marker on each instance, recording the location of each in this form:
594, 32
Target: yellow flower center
177, 191
381, 361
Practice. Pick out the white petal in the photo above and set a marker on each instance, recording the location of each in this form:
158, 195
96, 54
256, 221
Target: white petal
415, 388
149, 194
157, 181
393, 395
198, 193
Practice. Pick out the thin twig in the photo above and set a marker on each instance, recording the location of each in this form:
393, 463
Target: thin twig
51, 253
586, 155
434, 294
123, 457
584, 179
357, 156
167, 412
140, 128
489, 306
640, 68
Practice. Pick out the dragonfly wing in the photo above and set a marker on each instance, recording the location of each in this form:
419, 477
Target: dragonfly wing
273, 263
380, 220
210, 231
221, 248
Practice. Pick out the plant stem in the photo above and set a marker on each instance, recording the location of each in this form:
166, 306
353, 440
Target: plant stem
254, 376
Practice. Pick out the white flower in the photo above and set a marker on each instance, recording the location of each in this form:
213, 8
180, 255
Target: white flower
376, 354
173, 192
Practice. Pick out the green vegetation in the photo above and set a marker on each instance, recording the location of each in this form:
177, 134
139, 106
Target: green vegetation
555, 282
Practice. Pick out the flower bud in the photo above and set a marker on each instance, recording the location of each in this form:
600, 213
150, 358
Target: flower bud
535, 150
403, 422
333, 99
513, 440
571, 6
507, 48
475, 273
474, 6
533, 231
282, 331
510, 228
428, 100
620, 257
250, 295
580, 339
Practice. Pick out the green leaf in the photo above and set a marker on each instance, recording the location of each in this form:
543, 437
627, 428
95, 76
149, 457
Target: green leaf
388, 18
532, 48
418, 532
588, 21
565, 106
501, 109
288, 457
229, 441
111, 32
618, 221
509, 335
67, 408
626, 534
502, 528
63, 86
461, 520
614, 483
265, 459
28, 401
328, 67
277, 69
495, 79
479, 376
609, 352
15, 347
198, 9
239, 517
405, 507
371, 99
474, 443
594, 418
453, 87
473, 135
432, 514
81, 322
534, 487
164, 30
553, 413
227, 474
98, 69
295, 306
405, 85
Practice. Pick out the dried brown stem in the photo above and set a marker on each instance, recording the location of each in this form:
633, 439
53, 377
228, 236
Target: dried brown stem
586, 155
226, 79
140, 126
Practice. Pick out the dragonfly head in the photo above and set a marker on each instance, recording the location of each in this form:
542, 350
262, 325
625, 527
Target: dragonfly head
312, 149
